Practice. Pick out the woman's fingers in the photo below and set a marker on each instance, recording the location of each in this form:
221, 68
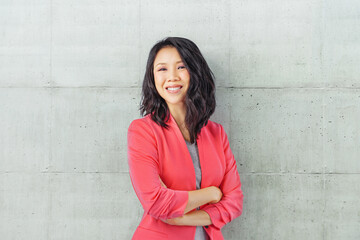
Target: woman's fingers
173, 221
162, 183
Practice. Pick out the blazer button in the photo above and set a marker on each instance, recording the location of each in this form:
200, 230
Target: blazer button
206, 226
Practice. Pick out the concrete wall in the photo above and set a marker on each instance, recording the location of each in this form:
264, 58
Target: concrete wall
288, 91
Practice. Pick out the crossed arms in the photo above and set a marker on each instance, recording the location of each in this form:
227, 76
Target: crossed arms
219, 204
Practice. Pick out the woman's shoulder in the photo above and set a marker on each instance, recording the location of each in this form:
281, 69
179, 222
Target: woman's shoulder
144, 125
214, 128
141, 129
140, 122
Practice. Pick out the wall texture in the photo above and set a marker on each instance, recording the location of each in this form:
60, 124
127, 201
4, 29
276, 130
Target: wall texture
288, 91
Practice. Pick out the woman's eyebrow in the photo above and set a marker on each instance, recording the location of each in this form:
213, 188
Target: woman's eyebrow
165, 63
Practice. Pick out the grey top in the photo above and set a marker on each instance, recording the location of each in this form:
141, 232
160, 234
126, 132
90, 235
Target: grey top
200, 233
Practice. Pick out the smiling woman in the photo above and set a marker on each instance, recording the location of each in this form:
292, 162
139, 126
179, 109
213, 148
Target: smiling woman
181, 166
171, 79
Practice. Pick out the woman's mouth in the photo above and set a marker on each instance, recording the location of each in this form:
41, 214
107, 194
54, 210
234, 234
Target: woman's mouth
173, 89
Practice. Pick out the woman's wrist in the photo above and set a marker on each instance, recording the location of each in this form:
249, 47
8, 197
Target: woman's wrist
194, 218
179, 221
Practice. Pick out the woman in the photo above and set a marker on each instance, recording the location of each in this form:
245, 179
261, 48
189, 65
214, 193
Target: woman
180, 162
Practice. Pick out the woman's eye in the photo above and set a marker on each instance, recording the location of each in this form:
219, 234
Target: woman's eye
181, 67
162, 69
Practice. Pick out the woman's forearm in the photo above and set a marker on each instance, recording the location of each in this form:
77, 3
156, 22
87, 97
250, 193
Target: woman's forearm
202, 196
194, 218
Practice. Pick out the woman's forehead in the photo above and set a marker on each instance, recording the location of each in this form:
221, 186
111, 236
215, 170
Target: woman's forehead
167, 55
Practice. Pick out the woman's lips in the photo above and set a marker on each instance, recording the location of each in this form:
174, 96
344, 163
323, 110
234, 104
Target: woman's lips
176, 89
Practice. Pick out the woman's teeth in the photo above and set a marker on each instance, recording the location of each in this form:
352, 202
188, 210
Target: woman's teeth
173, 88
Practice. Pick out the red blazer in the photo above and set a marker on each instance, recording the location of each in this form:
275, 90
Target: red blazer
154, 151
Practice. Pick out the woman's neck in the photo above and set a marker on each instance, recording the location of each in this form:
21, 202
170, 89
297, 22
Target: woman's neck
179, 116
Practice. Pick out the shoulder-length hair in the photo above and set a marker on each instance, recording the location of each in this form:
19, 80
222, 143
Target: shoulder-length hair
200, 97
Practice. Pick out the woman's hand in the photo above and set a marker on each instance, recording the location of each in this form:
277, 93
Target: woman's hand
217, 194
162, 183
173, 221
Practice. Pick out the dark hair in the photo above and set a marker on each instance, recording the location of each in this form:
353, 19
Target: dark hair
200, 97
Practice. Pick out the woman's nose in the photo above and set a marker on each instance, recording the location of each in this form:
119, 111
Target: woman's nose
173, 75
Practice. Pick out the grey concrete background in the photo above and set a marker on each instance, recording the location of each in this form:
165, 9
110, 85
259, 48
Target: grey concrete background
288, 91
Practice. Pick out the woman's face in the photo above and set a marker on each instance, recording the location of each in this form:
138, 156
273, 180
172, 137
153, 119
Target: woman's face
171, 77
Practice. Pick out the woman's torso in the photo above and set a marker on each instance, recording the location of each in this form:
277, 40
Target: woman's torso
177, 171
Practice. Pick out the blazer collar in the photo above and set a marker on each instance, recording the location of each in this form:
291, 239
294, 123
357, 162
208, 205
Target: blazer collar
171, 120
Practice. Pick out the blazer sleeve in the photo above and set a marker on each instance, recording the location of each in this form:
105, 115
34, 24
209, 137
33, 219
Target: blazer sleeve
230, 206
143, 160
